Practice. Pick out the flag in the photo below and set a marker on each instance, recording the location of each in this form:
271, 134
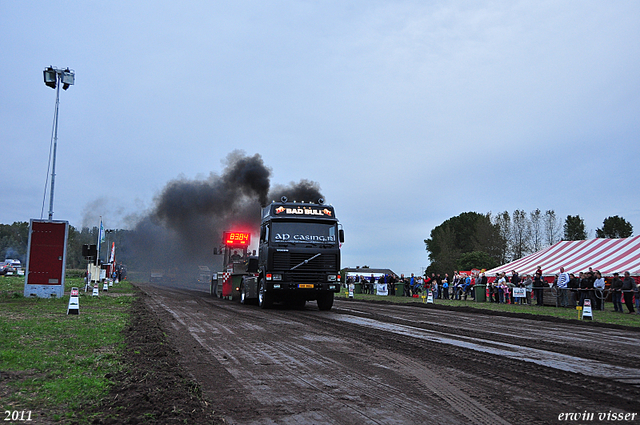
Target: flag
101, 233
112, 258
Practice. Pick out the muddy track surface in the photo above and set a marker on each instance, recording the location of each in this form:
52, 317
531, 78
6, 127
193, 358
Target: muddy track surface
394, 364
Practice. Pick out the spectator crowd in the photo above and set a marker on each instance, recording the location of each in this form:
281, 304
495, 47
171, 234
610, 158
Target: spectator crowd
568, 289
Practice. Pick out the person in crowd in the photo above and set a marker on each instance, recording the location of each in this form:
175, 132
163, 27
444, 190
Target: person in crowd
434, 288
586, 287
483, 280
574, 290
616, 293
539, 272
464, 285
580, 281
495, 289
418, 285
439, 284
502, 284
598, 286
401, 280
538, 287
427, 281
628, 288
563, 282
385, 280
468, 290
508, 291
528, 286
412, 284
637, 299
515, 283
392, 284
460, 286
455, 286
445, 287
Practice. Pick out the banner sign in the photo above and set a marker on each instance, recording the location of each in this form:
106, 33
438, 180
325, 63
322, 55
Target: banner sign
520, 292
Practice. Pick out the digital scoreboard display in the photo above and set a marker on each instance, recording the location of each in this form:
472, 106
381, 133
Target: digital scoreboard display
236, 239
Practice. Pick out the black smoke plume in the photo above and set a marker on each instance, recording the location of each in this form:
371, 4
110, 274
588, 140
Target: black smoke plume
189, 216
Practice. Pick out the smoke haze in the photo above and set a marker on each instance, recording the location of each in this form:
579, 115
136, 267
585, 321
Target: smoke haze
189, 216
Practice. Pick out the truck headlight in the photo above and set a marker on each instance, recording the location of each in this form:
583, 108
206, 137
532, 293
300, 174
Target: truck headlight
276, 276
332, 278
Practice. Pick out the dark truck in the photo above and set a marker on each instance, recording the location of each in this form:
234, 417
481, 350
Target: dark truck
299, 256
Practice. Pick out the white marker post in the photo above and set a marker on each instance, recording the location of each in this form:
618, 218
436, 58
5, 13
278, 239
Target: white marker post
586, 310
74, 304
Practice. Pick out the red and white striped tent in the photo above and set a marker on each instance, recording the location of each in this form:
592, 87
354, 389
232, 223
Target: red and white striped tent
607, 255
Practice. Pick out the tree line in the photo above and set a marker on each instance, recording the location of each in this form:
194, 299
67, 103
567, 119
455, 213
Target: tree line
483, 241
467, 241
14, 241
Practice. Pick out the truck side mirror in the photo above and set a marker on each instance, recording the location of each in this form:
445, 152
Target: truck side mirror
341, 235
252, 265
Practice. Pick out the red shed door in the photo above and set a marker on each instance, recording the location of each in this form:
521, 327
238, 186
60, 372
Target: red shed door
46, 258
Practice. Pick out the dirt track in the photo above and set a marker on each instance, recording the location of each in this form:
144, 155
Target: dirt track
392, 364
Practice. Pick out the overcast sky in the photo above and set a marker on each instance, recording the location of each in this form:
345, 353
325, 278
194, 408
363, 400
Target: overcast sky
406, 113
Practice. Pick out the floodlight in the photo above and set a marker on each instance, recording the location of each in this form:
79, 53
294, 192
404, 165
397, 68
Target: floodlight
67, 78
50, 77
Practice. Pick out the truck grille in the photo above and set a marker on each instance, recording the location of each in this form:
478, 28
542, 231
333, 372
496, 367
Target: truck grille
286, 260
307, 277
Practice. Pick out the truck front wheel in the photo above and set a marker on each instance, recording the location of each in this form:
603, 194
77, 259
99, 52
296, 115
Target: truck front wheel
264, 298
325, 301
243, 294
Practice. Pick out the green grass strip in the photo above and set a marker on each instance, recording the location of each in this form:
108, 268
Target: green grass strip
607, 316
53, 364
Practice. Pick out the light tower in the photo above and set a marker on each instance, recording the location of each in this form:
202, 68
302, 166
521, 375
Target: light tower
53, 78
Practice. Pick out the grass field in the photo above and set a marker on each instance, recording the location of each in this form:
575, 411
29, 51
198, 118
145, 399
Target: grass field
55, 366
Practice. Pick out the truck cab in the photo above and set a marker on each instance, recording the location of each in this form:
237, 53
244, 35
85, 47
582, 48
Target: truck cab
299, 255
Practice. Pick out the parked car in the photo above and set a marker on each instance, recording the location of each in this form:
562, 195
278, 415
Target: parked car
10, 267
7, 270
16, 264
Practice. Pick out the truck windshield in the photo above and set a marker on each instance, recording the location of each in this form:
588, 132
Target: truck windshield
303, 232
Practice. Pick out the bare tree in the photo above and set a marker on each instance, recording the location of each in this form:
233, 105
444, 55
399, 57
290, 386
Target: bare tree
552, 227
503, 222
520, 234
535, 217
